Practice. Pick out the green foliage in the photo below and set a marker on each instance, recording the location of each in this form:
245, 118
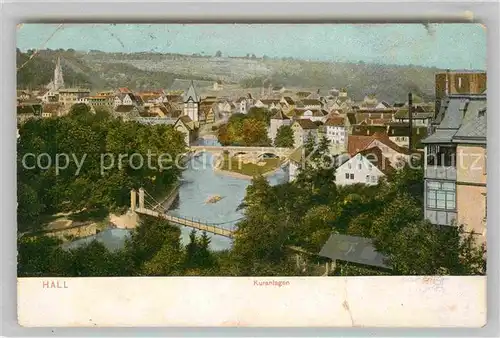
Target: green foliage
262, 114
95, 141
424, 249
284, 137
244, 130
317, 174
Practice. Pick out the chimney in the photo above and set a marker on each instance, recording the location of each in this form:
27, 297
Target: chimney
410, 119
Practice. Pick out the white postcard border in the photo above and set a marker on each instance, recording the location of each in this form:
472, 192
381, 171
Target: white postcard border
12, 13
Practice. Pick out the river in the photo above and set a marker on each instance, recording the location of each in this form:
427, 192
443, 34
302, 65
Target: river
199, 182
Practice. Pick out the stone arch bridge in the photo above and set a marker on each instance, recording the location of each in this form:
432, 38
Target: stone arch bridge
256, 152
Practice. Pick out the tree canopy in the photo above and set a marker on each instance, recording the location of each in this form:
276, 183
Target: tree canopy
97, 165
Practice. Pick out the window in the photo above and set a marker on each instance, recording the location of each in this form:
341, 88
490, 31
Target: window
359, 166
370, 166
367, 178
374, 179
349, 165
346, 176
441, 155
352, 176
441, 195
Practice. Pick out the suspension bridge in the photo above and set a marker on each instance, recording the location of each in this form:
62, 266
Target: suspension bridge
148, 205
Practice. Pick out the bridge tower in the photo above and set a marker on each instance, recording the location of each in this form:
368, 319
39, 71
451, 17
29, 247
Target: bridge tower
141, 198
133, 200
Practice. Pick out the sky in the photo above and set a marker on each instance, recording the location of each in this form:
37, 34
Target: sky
454, 46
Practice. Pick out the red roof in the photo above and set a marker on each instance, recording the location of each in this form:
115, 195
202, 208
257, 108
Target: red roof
357, 143
124, 90
307, 124
375, 156
335, 121
384, 138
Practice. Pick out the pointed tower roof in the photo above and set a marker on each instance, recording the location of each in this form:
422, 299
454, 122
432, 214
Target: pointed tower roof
191, 94
58, 81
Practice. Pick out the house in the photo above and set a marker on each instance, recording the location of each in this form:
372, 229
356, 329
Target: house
268, 103
127, 99
277, 120
242, 106
191, 104
389, 149
206, 112
124, 90
70, 96
366, 166
335, 131
126, 112
455, 166
374, 115
399, 133
304, 129
101, 100
459, 82
47, 96
188, 127
302, 95
23, 95
52, 110
311, 104
312, 114
363, 129
420, 116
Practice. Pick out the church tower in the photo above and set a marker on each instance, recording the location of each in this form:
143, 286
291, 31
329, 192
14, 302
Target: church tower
58, 75
191, 103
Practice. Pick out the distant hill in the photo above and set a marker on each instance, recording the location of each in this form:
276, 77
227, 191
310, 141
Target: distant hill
101, 70
79, 71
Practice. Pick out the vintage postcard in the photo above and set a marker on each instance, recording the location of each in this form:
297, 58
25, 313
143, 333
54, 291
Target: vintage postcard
284, 174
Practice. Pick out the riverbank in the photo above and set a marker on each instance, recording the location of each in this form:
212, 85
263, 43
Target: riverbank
222, 164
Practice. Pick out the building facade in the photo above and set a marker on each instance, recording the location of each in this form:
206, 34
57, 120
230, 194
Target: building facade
70, 96
277, 120
451, 83
304, 129
366, 167
455, 166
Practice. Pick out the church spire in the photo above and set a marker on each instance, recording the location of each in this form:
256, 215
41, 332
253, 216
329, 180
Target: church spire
58, 75
191, 94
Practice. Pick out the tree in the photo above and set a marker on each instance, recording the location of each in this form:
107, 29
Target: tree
255, 133
218, 54
317, 174
424, 249
261, 114
149, 238
191, 250
284, 137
